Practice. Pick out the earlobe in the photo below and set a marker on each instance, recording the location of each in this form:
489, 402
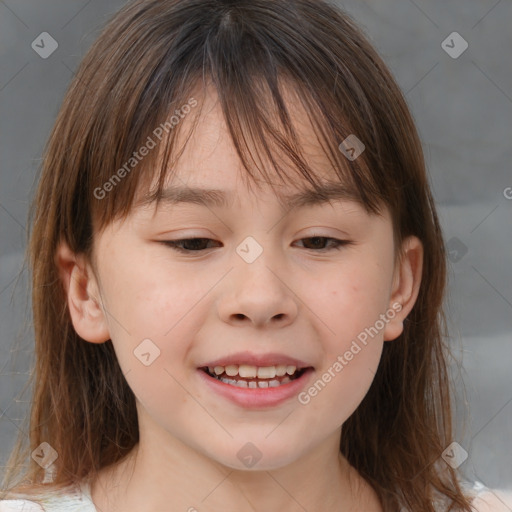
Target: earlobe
83, 298
406, 286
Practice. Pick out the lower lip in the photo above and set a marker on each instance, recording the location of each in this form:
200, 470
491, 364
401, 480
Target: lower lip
257, 397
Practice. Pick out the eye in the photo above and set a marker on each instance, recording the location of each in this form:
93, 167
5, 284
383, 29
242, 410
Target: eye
191, 245
320, 240
194, 244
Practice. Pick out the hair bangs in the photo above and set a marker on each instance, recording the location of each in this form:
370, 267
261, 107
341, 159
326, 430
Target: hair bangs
259, 97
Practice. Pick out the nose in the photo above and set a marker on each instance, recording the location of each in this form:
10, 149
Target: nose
258, 294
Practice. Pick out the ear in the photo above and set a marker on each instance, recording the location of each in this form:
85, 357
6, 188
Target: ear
82, 290
406, 286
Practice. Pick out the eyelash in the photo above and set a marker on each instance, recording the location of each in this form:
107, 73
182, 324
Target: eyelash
175, 244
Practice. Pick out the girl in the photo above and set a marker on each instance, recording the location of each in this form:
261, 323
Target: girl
238, 273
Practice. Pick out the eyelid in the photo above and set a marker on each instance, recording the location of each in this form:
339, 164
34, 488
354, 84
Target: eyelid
175, 244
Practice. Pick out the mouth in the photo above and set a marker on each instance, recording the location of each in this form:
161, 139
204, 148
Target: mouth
255, 381
255, 377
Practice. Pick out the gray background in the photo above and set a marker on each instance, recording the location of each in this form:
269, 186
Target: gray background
462, 107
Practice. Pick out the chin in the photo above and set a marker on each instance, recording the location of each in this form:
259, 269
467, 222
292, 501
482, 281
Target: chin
254, 456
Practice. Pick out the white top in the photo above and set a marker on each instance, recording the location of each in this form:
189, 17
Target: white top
73, 499
78, 499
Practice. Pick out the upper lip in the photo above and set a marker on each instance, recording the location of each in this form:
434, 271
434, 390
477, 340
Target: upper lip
261, 360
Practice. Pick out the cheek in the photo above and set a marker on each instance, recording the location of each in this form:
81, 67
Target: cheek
341, 384
352, 299
155, 321
145, 302
150, 320
349, 387
350, 309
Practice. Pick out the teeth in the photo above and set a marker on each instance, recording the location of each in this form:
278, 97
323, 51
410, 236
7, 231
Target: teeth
248, 372
232, 370
266, 375
229, 381
290, 370
266, 372
281, 370
251, 372
255, 384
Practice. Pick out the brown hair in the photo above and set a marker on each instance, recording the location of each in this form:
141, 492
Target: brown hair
144, 66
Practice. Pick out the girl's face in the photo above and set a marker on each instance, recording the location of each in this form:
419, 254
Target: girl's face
262, 292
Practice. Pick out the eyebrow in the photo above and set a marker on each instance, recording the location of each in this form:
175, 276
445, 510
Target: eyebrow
217, 198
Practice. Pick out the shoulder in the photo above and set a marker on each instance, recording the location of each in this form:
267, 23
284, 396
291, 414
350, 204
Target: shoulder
490, 500
74, 498
20, 506
493, 501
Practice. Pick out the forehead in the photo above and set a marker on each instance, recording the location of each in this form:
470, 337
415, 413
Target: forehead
210, 138
209, 171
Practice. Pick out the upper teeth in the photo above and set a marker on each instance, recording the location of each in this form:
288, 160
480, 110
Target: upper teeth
248, 371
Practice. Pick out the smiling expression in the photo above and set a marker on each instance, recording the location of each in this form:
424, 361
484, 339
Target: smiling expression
218, 336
